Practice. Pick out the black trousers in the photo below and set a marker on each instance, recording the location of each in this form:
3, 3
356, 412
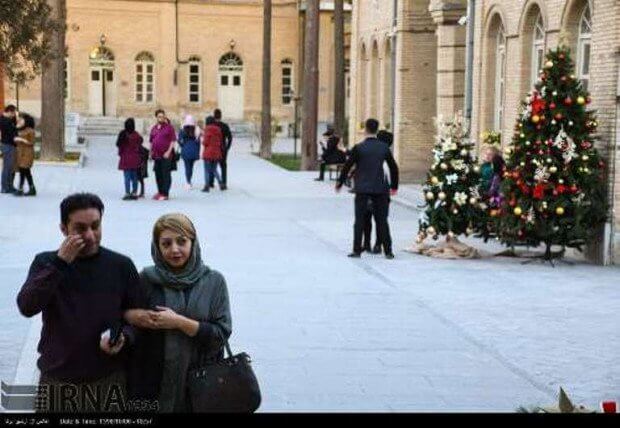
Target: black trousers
163, 176
25, 174
368, 228
380, 210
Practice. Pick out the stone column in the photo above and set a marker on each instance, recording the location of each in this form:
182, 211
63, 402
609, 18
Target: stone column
416, 66
451, 50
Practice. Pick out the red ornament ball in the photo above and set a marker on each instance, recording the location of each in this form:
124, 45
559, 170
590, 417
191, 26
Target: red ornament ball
552, 106
588, 100
561, 56
563, 78
558, 116
568, 101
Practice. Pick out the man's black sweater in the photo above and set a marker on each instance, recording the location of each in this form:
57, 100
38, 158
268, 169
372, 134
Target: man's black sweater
79, 301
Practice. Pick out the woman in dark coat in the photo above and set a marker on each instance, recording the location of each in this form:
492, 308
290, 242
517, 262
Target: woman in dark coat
186, 316
129, 143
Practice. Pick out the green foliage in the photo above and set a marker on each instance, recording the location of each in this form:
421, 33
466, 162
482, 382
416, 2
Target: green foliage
451, 190
25, 26
553, 187
286, 161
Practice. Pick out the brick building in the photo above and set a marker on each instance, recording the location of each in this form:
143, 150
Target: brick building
129, 57
417, 49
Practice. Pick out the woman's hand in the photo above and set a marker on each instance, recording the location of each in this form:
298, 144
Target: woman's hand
166, 318
140, 318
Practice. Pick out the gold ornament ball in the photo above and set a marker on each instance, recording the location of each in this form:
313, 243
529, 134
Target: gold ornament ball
585, 158
518, 211
559, 211
430, 230
430, 196
535, 118
553, 169
549, 64
473, 201
450, 234
507, 150
469, 231
455, 211
581, 100
442, 196
476, 169
443, 166
434, 180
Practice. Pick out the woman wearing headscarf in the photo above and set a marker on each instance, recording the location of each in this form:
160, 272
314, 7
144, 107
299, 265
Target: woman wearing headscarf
129, 143
189, 140
186, 316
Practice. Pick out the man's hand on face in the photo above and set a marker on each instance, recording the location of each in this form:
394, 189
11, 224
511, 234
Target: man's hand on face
71, 247
104, 344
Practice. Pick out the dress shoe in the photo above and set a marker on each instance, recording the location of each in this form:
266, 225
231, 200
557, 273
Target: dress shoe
355, 255
389, 256
31, 192
366, 249
18, 193
376, 249
206, 189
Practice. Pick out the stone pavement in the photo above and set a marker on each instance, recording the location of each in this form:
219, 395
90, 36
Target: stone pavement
327, 333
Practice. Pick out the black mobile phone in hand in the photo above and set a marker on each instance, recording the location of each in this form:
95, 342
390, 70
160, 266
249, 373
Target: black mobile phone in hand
115, 334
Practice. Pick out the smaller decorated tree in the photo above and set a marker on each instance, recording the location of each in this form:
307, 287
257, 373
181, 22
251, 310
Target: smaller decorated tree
451, 189
553, 187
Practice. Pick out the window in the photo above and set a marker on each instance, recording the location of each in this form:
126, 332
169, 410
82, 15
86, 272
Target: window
287, 82
500, 78
584, 47
538, 49
194, 79
145, 78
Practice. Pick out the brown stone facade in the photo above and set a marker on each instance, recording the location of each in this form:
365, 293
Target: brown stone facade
175, 36
430, 65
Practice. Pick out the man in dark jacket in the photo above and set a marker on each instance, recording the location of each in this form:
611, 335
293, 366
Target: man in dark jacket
8, 132
228, 138
332, 155
371, 184
82, 291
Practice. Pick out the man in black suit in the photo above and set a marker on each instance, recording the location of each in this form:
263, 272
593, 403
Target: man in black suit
371, 184
217, 114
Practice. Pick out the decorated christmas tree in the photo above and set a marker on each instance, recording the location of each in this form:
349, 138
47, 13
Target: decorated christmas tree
553, 187
451, 189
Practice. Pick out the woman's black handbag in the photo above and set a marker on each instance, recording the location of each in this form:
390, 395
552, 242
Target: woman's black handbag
226, 385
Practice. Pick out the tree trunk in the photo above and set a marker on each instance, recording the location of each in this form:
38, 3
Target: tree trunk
265, 144
311, 87
339, 77
52, 90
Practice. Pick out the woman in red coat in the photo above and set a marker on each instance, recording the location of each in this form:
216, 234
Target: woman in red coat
212, 151
129, 143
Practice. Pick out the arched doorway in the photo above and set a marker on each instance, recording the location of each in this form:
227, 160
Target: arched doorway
230, 86
102, 82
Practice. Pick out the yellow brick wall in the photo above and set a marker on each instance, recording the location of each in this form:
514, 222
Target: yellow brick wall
205, 30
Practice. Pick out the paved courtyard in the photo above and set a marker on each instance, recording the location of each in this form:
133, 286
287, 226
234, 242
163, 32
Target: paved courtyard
328, 333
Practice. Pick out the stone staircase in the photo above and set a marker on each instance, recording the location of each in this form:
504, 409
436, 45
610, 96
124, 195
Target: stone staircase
94, 126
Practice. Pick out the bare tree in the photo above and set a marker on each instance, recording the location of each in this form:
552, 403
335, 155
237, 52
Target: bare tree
52, 89
310, 87
265, 144
339, 77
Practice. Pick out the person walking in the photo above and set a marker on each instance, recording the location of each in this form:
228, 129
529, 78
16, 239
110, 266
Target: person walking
368, 157
25, 154
129, 143
162, 139
228, 138
185, 316
8, 132
143, 170
82, 290
189, 140
332, 154
212, 153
